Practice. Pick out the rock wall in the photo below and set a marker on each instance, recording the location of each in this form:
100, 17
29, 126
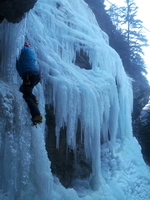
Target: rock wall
64, 163
14, 10
144, 132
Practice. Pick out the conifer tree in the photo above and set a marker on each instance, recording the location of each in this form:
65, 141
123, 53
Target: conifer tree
131, 28
136, 40
129, 25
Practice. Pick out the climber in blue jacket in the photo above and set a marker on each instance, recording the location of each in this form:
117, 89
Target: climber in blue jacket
30, 74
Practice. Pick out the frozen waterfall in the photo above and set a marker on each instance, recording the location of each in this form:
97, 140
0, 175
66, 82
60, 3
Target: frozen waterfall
101, 98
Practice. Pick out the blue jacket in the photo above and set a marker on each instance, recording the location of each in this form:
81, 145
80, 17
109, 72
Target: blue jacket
27, 61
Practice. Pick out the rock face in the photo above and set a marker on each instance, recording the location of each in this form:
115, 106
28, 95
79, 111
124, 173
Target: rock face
82, 60
64, 163
13, 10
144, 132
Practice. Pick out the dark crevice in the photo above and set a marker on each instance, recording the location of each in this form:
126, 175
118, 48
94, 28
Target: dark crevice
82, 60
64, 164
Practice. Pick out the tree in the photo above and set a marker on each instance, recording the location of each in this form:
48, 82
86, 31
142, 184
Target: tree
136, 40
130, 26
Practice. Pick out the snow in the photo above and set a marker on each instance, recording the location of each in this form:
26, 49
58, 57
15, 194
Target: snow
101, 98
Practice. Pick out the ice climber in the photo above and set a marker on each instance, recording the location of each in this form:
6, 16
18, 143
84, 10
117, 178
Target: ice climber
30, 74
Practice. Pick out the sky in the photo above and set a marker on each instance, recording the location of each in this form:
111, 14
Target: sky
144, 15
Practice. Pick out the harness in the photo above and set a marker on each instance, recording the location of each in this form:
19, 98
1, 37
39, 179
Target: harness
27, 80
28, 74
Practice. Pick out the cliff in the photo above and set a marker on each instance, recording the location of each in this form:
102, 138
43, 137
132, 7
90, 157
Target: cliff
84, 149
14, 10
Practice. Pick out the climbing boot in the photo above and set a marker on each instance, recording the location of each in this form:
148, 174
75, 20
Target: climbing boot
37, 119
